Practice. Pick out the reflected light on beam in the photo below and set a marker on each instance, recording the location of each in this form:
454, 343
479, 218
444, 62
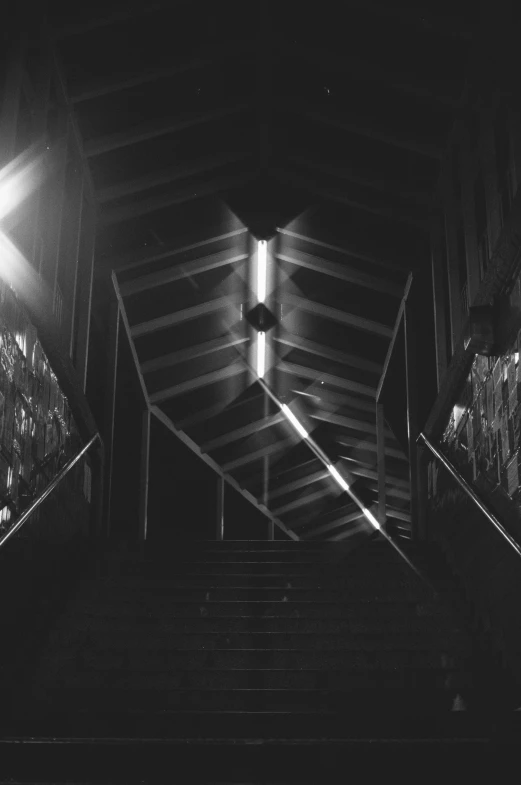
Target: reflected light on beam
338, 477
262, 258
293, 420
261, 354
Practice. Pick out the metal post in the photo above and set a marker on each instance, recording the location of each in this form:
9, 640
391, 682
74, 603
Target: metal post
412, 417
144, 475
438, 289
110, 408
219, 534
265, 478
380, 457
467, 172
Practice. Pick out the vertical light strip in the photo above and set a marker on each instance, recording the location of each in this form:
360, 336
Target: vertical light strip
262, 259
261, 354
262, 270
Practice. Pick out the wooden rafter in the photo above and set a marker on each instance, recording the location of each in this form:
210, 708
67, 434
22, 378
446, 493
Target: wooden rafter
346, 422
367, 69
197, 383
365, 527
148, 254
342, 272
191, 353
185, 315
180, 271
305, 345
306, 498
240, 433
340, 171
365, 128
143, 77
170, 175
327, 378
195, 191
224, 405
328, 192
303, 482
106, 20
356, 253
343, 520
148, 131
270, 449
162, 417
335, 315
346, 441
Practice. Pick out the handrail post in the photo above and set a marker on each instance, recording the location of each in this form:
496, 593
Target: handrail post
220, 508
380, 457
145, 473
412, 414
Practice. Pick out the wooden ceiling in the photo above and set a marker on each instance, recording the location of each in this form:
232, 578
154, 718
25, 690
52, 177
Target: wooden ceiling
210, 125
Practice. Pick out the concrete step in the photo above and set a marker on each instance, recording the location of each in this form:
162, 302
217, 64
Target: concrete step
243, 678
154, 623
156, 658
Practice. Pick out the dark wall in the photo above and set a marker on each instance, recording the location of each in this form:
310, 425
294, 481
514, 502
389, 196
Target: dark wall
182, 490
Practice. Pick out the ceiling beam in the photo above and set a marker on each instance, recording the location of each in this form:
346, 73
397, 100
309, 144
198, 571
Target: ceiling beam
388, 264
369, 70
366, 129
305, 345
300, 502
309, 479
414, 16
181, 271
190, 353
108, 87
197, 383
186, 315
270, 449
391, 452
335, 315
148, 131
153, 253
327, 378
161, 416
342, 172
240, 433
389, 212
402, 515
335, 401
106, 20
346, 422
371, 474
197, 190
340, 272
169, 175
365, 527
203, 415
342, 521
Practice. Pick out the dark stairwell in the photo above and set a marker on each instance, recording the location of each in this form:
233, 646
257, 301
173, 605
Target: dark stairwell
254, 661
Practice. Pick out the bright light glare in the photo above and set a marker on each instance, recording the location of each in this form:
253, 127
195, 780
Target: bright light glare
371, 518
261, 354
293, 420
516, 357
17, 185
262, 254
338, 477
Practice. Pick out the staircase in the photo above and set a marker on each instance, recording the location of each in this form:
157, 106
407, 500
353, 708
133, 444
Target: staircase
251, 661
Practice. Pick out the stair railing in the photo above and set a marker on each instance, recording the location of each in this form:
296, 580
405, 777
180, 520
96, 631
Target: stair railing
470, 492
47, 491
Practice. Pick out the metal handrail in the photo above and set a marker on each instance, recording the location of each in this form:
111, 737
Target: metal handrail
470, 492
48, 490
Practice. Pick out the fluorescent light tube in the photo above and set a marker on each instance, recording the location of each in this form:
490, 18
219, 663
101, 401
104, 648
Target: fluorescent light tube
261, 354
262, 257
